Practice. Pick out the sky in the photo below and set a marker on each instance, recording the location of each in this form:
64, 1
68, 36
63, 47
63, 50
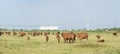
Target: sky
66, 14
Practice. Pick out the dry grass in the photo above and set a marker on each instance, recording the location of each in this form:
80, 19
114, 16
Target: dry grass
38, 45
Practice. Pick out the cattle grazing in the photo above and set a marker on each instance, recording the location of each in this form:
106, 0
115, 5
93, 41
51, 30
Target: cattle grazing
7, 33
21, 34
14, 33
101, 40
41, 33
36, 33
29, 33
115, 33
46, 33
98, 36
68, 37
47, 37
49, 33
1, 33
58, 37
82, 35
28, 38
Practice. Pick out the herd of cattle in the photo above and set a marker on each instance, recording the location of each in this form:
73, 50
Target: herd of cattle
69, 37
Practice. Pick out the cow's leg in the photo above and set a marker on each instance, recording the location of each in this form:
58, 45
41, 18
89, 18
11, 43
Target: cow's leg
87, 38
69, 41
80, 39
47, 38
58, 40
73, 40
65, 40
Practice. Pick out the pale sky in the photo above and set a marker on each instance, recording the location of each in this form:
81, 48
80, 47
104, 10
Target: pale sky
67, 14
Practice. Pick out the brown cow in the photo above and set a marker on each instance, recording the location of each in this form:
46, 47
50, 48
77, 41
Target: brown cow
1, 33
46, 33
82, 35
14, 33
36, 33
115, 33
47, 37
41, 33
8, 33
28, 38
21, 34
58, 37
98, 36
49, 33
101, 40
29, 33
68, 37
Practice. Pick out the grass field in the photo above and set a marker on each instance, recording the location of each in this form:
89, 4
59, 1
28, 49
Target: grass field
38, 45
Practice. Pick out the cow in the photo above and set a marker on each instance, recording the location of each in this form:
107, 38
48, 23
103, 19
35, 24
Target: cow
46, 33
7, 33
29, 33
1, 33
98, 36
58, 37
47, 37
115, 33
83, 35
36, 33
40, 33
101, 40
28, 38
68, 37
14, 33
49, 33
21, 34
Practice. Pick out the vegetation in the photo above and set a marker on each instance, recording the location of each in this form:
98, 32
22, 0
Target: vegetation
38, 45
95, 30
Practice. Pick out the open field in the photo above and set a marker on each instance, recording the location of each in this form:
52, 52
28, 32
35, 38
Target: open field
38, 45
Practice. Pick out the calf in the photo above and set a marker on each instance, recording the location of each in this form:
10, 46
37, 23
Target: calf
82, 36
115, 33
14, 33
47, 37
21, 34
28, 38
58, 37
36, 33
1, 33
101, 40
98, 36
7, 33
68, 37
